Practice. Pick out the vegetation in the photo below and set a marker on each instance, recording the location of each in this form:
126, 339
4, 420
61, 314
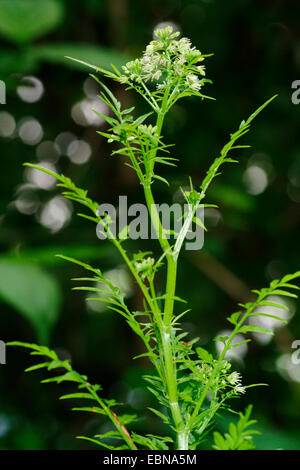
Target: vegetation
191, 386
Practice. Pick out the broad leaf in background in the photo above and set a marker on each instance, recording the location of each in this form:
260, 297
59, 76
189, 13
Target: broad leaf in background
15, 61
33, 292
56, 53
233, 198
28, 60
22, 21
46, 255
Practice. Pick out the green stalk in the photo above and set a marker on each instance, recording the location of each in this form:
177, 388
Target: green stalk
165, 326
159, 123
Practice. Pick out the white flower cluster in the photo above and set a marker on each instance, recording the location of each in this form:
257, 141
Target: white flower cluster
173, 60
235, 379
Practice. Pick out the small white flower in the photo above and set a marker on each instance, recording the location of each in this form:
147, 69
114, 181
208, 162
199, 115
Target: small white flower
156, 75
234, 378
184, 45
201, 69
193, 82
150, 49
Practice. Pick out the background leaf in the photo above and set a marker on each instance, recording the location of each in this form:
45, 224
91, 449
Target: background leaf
46, 255
96, 55
23, 21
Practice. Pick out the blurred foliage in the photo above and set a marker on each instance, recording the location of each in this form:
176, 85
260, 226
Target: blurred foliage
252, 240
22, 21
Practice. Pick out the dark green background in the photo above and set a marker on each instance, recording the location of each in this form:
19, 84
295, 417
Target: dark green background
256, 48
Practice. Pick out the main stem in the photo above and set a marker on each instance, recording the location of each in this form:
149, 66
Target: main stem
170, 365
165, 325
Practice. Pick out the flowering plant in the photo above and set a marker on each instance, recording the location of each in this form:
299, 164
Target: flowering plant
189, 383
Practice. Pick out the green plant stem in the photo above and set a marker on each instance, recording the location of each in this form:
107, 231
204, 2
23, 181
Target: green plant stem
165, 331
159, 123
164, 324
170, 375
165, 327
170, 290
239, 324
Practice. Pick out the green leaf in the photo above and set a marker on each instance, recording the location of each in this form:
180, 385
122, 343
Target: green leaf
69, 376
33, 292
289, 277
95, 441
234, 317
233, 197
222, 339
219, 441
22, 21
259, 110
267, 303
239, 436
86, 396
160, 178
284, 293
91, 409
152, 442
37, 366
127, 419
239, 344
204, 355
13, 61
47, 255
268, 315
24, 345
163, 417
255, 329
